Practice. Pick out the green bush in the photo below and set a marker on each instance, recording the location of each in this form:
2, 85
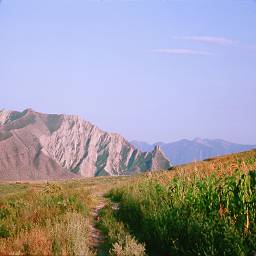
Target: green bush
4, 232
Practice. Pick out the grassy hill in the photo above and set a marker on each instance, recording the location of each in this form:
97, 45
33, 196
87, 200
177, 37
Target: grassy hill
203, 208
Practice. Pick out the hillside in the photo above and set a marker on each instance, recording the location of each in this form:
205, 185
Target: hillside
186, 151
201, 207
47, 146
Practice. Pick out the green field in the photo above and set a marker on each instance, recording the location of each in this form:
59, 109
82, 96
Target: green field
204, 208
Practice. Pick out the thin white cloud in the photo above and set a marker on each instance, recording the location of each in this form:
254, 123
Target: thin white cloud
208, 39
180, 51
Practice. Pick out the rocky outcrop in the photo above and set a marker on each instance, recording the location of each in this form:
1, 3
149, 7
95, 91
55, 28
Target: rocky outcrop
158, 159
41, 146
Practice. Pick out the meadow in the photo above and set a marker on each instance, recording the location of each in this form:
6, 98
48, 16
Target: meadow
203, 208
49, 218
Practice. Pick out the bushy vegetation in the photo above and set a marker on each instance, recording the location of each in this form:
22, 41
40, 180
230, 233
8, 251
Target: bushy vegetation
45, 219
119, 241
204, 208
52, 218
193, 213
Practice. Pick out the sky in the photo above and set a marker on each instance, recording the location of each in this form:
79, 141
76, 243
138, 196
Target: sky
151, 70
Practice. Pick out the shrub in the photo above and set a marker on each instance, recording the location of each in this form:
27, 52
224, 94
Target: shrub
130, 247
119, 241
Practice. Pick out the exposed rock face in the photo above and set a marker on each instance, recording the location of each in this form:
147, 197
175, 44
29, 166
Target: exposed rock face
158, 159
41, 146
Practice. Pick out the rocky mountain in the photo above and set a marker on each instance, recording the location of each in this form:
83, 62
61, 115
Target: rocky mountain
49, 146
185, 151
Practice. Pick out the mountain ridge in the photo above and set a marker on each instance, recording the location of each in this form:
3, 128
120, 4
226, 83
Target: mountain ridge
35, 145
184, 151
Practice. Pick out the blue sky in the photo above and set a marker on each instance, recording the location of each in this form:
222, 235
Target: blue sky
155, 70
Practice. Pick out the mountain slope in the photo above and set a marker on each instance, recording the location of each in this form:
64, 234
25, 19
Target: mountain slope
41, 146
185, 151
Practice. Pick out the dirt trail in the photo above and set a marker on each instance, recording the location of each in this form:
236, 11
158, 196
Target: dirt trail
96, 237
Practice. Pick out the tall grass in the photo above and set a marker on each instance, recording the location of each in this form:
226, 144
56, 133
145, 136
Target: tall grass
46, 220
204, 208
192, 214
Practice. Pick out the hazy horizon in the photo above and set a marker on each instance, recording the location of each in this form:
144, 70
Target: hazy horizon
149, 70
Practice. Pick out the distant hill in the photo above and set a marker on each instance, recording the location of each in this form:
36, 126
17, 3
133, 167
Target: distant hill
48, 146
185, 151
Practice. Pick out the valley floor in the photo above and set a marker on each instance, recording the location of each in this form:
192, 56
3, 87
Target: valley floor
203, 208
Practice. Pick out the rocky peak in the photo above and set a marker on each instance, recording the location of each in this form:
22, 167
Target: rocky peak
71, 143
157, 148
159, 160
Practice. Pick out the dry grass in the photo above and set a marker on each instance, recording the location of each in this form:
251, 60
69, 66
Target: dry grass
49, 218
43, 218
70, 237
53, 218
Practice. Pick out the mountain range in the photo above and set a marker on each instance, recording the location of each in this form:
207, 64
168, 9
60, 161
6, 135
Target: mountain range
35, 146
186, 151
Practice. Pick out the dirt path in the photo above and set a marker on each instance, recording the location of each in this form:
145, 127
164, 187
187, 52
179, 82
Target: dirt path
96, 237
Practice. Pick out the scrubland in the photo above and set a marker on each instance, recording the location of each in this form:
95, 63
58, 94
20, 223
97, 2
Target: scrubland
204, 208
51, 218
